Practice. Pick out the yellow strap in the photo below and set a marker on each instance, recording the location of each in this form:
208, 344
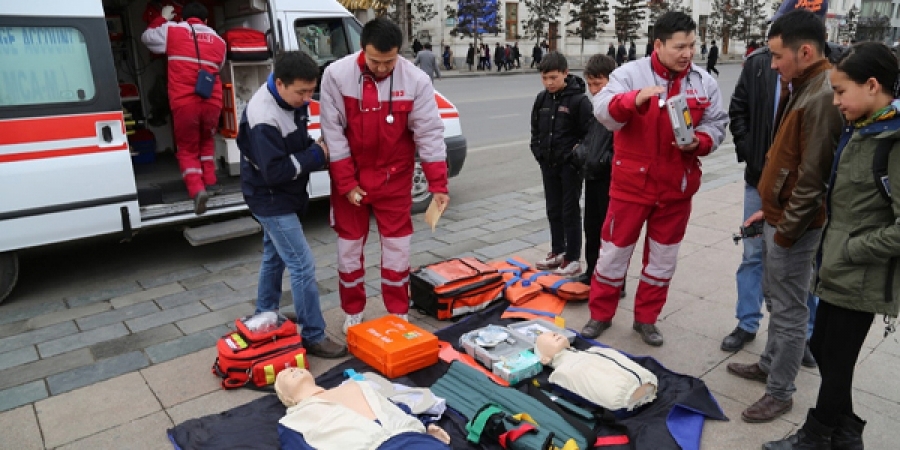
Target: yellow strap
525, 417
569, 445
301, 360
270, 373
559, 321
239, 340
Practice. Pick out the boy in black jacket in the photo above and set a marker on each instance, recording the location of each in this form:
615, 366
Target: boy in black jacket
595, 158
560, 119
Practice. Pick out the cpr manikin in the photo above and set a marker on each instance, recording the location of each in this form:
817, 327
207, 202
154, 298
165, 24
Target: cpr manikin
600, 375
349, 417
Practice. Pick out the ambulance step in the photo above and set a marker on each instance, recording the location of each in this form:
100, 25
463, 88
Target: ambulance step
220, 231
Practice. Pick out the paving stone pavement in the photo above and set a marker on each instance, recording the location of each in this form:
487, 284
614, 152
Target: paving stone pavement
114, 368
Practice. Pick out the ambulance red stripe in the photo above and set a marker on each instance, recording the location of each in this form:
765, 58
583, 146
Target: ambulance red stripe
28, 156
54, 128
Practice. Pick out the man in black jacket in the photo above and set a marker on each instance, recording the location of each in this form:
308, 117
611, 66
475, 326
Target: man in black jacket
560, 119
712, 59
621, 54
752, 113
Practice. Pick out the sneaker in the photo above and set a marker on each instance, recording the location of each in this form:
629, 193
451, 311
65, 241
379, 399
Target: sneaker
552, 261
200, 202
403, 316
649, 333
352, 319
568, 268
326, 348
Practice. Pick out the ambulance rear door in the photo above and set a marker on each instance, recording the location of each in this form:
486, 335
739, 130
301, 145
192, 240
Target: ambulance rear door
65, 164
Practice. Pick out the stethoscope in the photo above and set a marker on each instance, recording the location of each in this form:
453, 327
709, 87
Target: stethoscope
687, 79
363, 77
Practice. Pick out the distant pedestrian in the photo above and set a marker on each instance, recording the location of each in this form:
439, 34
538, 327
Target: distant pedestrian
703, 51
713, 59
416, 46
499, 54
516, 54
448, 57
470, 56
611, 51
632, 52
649, 49
427, 61
621, 54
536, 55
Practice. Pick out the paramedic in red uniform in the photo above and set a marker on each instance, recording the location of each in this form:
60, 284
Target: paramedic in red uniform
378, 111
653, 179
194, 118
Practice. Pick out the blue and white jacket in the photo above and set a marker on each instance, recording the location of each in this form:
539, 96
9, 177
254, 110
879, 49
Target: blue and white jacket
277, 154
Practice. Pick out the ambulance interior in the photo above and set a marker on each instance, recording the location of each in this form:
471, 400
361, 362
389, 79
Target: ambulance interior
142, 86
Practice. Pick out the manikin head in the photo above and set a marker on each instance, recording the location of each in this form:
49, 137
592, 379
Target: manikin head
548, 345
293, 385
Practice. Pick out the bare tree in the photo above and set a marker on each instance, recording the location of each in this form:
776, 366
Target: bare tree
723, 21
409, 14
591, 16
660, 7
630, 16
753, 19
540, 14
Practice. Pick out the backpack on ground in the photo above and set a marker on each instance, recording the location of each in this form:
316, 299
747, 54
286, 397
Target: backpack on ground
256, 355
455, 287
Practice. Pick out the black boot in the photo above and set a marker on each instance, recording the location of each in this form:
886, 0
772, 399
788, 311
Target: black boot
848, 434
813, 435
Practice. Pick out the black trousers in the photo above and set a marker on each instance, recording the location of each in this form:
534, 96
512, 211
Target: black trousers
837, 338
710, 68
596, 203
562, 191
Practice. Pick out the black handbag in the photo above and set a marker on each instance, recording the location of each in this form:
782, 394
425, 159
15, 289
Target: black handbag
594, 153
206, 80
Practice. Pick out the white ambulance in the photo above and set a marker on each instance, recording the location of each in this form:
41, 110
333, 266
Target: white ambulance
85, 138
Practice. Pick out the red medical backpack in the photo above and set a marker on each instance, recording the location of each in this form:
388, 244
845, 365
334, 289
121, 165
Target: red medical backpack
248, 357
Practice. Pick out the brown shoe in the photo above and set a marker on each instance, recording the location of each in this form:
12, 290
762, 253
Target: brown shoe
748, 371
766, 409
326, 348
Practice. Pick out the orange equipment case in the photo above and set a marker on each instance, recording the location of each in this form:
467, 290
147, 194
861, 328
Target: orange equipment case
392, 345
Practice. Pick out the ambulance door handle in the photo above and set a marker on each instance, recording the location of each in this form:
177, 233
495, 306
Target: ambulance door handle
107, 134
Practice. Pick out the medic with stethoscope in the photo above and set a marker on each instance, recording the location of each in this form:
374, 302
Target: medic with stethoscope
378, 111
653, 179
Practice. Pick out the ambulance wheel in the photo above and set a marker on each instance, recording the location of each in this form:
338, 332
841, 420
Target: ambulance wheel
421, 198
9, 273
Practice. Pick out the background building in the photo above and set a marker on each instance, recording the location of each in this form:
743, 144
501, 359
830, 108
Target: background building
513, 14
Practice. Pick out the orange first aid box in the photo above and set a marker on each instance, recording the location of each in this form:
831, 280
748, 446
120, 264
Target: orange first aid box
392, 345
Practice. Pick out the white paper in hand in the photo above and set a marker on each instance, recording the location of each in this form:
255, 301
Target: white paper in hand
432, 214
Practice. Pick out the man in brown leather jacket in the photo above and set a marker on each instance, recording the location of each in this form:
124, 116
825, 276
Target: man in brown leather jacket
792, 188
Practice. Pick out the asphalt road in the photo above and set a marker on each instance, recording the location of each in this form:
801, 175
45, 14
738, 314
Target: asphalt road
494, 112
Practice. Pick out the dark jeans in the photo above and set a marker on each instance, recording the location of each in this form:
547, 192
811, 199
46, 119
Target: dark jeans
712, 68
596, 203
562, 191
836, 341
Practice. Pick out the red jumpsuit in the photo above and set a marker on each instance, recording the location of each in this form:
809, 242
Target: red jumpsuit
194, 119
374, 128
653, 181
